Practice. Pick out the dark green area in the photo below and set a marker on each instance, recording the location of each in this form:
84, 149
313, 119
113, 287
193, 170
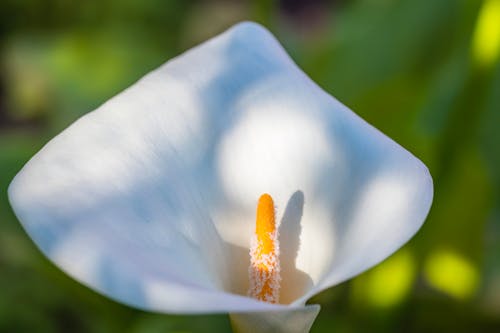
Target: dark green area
408, 67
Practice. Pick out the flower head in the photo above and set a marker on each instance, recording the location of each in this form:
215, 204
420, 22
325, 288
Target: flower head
150, 199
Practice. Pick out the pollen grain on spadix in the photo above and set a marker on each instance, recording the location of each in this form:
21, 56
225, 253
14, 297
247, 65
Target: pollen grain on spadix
264, 270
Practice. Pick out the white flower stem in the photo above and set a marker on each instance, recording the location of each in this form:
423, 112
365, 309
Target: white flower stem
296, 320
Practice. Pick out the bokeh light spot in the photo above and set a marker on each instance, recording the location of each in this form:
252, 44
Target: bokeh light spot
486, 42
452, 274
389, 283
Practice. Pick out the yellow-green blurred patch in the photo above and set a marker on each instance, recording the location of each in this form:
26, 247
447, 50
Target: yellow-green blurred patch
452, 274
388, 284
486, 42
30, 89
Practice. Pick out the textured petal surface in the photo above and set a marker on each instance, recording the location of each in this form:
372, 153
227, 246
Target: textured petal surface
150, 199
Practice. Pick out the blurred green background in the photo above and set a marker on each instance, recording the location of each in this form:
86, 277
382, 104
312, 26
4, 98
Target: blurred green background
426, 73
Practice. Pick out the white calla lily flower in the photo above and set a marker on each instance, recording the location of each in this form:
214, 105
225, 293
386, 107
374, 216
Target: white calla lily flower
150, 199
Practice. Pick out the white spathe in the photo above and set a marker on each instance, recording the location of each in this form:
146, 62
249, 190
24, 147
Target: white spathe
151, 198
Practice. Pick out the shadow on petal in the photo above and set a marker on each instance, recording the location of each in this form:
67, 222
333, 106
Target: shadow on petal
294, 282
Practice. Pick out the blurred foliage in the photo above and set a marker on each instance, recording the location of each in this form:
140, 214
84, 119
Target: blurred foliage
426, 73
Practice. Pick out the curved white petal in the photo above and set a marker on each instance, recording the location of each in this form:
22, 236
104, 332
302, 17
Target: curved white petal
150, 199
